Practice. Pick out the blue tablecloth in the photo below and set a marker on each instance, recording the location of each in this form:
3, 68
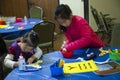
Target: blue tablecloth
26, 27
45, 74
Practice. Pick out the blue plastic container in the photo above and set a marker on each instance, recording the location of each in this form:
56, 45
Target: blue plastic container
55, 70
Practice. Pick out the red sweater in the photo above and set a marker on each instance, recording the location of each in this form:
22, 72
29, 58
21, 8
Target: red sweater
80, 35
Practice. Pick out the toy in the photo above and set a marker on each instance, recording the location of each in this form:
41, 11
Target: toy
104, 52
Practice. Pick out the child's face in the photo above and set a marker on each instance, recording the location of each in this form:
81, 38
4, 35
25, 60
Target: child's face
64, 22
26, 48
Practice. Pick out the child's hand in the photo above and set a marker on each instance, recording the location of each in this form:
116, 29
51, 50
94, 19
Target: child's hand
15, 64
64, 50
30, 60
64, 44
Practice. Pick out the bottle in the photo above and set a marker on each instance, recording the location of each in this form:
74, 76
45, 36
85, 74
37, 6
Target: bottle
21, 61
25, 19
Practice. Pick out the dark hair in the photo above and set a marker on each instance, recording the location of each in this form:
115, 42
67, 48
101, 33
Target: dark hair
3, 48
31, 38
63, 11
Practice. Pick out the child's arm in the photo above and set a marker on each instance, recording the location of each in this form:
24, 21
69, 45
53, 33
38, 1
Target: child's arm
8, 61
37, 55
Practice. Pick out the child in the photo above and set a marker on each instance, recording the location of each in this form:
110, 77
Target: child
25, 46
78, 32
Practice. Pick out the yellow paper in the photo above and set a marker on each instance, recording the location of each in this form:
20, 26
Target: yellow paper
78, 67
3, 26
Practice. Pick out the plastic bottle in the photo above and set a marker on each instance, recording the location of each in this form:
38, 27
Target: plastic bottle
21, 61
25, 19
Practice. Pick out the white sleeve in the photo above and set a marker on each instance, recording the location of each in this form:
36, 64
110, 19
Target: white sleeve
8, 61
38, 52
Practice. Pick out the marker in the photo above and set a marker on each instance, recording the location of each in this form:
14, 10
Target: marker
87, 50
60, 63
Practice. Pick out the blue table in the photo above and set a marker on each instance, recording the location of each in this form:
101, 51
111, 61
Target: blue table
26, 27
45, 74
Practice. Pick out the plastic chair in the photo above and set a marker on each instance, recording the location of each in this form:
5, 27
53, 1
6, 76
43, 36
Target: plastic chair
36, 12
46, 34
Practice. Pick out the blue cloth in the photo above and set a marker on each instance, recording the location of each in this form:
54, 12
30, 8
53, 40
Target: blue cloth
18, 33
49, 59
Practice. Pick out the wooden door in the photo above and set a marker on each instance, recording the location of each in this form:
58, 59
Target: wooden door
18, 8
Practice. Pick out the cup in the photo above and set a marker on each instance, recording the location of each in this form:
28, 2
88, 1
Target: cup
18, 19
2, 22
55, 70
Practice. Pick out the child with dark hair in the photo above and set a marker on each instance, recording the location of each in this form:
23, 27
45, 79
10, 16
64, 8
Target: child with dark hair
25, 46
78, 32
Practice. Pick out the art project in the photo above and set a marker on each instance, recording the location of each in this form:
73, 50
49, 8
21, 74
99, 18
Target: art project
79, 67
36, 64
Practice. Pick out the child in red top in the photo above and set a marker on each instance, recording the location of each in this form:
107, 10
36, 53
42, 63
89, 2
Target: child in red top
78, 32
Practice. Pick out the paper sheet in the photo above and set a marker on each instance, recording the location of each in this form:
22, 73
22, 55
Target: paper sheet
36, 65
78, 67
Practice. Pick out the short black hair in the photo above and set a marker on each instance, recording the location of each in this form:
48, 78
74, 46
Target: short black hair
63, 11
31, 38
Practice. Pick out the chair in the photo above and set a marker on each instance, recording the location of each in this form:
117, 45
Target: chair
104, 23
115, 38
106, 28
46, 34
36, 12
7, 39
97, 20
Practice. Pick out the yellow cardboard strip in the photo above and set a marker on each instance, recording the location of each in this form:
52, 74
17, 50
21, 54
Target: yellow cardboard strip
78, 67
